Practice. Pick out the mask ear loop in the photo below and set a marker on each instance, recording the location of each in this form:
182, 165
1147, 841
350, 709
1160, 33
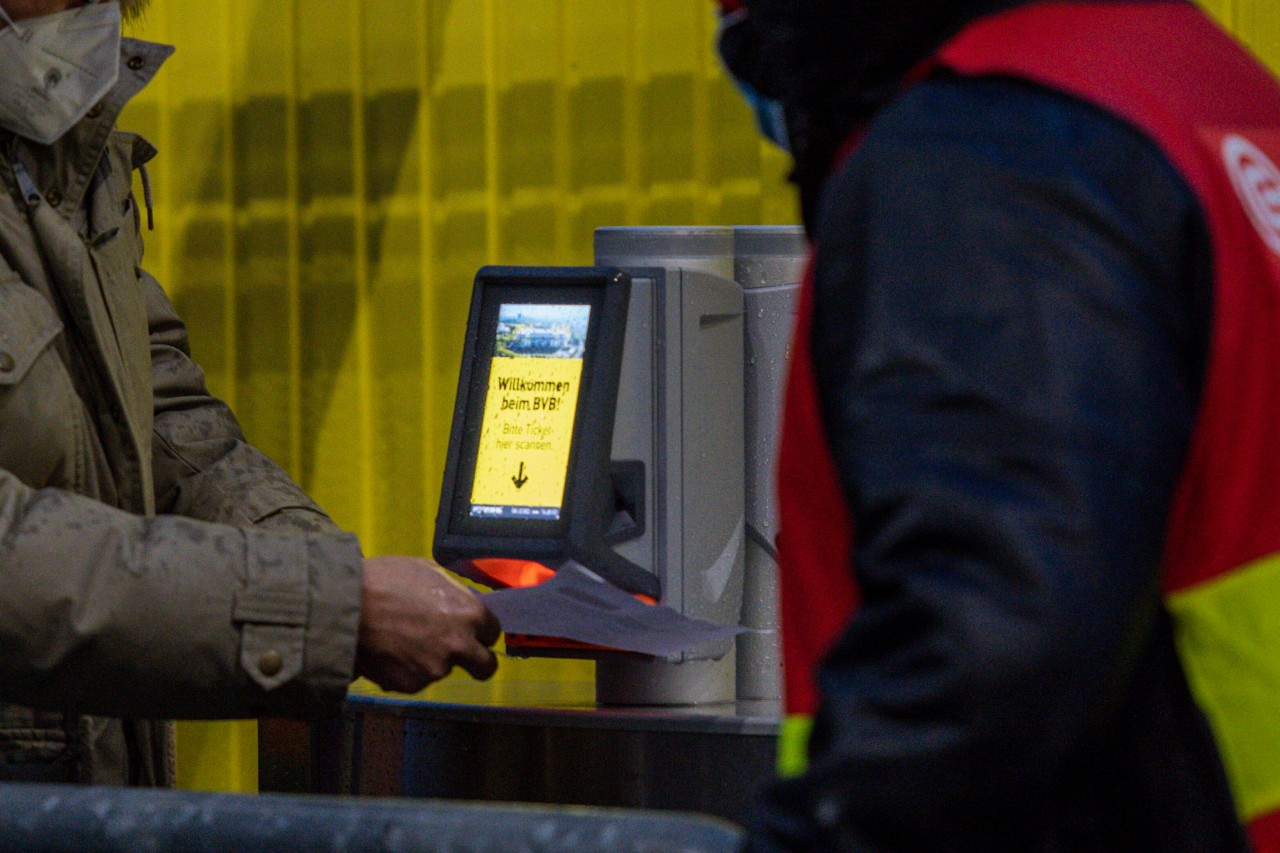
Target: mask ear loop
18, 31
12, 24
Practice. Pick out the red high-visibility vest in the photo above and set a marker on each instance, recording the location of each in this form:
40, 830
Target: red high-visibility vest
1214, 111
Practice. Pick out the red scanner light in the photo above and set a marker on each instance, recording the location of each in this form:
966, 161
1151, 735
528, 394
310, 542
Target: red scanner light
505, 573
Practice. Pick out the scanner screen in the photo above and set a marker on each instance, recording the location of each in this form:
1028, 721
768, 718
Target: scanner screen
530, 404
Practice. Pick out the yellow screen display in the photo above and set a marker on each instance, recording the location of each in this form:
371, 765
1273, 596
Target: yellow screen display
530, 405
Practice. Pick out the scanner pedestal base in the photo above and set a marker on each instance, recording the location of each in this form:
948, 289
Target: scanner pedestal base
642, 683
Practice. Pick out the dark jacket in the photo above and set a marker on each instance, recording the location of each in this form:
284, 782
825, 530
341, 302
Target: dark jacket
1000, 270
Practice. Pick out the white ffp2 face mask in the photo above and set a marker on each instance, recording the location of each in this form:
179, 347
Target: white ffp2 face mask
54, 68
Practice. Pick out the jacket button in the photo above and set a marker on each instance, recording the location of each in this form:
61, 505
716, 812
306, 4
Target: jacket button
53, 197
6, 362
136, 62
270, 663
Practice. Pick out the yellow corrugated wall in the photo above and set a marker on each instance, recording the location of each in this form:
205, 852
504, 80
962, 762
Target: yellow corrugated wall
333, 172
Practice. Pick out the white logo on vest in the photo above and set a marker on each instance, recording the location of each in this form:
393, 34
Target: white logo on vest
1257, 182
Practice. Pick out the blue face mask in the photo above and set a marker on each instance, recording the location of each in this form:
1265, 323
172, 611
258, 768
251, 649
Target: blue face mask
770, 119
736, 44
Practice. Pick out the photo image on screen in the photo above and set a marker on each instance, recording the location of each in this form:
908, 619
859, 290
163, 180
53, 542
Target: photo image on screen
530, 407
542, 331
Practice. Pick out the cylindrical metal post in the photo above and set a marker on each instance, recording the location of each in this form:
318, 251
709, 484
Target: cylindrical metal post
768, 264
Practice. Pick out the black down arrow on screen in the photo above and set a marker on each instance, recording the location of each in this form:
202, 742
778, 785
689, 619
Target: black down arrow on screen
520, 479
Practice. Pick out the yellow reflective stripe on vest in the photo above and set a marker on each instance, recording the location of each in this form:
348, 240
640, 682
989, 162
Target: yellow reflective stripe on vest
793, 745
1228, 635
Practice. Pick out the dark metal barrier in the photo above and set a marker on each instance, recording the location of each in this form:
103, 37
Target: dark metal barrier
709, 761
58, 818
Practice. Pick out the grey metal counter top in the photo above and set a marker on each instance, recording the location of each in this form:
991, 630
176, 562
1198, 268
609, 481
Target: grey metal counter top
745, 718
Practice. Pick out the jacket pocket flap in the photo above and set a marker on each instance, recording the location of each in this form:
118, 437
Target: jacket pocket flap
28, 324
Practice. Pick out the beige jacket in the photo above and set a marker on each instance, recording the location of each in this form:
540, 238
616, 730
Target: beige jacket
153, 564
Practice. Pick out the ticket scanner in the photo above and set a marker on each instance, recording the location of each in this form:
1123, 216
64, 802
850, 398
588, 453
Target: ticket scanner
624, 416
529, 475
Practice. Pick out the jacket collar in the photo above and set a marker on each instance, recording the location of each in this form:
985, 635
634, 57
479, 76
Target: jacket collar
63, 170
838, 62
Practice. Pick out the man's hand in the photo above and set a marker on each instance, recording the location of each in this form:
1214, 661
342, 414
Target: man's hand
417, 623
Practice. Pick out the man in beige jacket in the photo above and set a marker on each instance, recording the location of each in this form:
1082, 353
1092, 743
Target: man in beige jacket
152, 563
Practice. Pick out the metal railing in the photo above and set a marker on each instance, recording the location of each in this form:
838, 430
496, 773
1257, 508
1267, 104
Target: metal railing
56, 818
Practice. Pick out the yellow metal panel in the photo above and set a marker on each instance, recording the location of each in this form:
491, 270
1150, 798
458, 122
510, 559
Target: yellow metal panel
1258, 23
1255, 22
1220, 9
218, 756
528, 44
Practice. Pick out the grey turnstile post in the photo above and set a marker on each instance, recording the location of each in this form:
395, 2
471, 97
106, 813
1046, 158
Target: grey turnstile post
708, 333
768, 264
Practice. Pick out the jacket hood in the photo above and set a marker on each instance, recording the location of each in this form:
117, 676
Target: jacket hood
834, 63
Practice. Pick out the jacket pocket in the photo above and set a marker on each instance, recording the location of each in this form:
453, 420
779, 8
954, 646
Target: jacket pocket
40, 412
37, 745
